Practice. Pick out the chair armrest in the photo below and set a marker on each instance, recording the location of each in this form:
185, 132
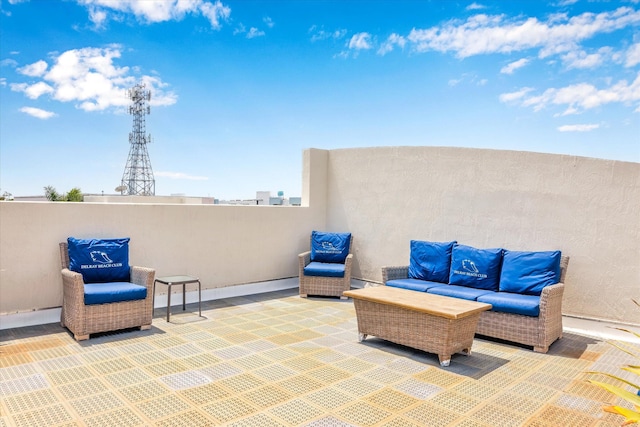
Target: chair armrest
394, 272
143, 276
72, 288
303, 260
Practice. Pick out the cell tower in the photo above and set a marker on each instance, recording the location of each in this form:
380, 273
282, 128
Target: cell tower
137, 179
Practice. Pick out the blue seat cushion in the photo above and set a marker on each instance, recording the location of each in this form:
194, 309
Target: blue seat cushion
430, 261
527, 305
330, 247
529, 272
413, 284
476, 268
324, 269
456, 291
100, 260
102, 293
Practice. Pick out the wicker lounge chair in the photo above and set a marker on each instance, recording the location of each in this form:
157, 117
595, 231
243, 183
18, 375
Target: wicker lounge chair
83, 320
322, 285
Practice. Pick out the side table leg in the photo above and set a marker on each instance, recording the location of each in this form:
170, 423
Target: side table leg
184, 296
362, 337
199, 299
168, 302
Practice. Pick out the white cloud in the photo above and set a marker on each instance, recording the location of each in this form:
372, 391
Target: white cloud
393, 40
268, 22
38, 113
578, 128
633, 56
579, 97
484, 34
318, 34
90, 78
254, 32
512, 66
475, 6
36, 69
3, 81
9, 62
515, 96
180, 175
360, 41
581, 59
215, 12
33, 91
152, 11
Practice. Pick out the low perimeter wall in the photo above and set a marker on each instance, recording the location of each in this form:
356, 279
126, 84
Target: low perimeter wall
587, 208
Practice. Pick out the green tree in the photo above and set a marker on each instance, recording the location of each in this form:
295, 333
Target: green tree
74, 195
51, 194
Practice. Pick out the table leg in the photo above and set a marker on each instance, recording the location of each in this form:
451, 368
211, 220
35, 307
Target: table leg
184, 296
168, 302
199, 299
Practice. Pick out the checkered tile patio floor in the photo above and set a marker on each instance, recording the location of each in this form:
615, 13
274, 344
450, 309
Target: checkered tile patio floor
278, 360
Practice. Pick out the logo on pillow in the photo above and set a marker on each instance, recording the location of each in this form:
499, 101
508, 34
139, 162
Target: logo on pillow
100, 260
101, 257
330, 247
476, 268
470, 269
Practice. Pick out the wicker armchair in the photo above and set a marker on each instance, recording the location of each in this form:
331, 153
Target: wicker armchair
322, 285
538, 332
83, 320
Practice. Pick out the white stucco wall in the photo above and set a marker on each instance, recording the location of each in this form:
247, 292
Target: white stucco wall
588, 208
222, 245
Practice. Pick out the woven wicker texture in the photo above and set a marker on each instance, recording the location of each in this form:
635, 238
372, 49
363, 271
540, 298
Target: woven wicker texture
325, 286
198, 374
84, 320
539, 332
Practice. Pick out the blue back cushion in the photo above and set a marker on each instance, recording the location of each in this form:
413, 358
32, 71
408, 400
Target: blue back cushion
100, 260
529, 272
329, 247
430, 261
475, 268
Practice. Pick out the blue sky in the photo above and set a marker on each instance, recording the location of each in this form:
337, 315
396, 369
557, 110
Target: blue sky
241, 88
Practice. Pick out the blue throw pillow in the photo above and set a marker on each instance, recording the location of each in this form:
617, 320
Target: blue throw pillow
329, 247
475, 268
529, 272
430, 261
100, 260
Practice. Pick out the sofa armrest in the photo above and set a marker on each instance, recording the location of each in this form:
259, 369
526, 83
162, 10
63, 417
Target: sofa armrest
348, 263
143, 276
394, 272
551, 300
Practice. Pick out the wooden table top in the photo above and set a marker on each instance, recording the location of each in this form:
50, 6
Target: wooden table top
436, 305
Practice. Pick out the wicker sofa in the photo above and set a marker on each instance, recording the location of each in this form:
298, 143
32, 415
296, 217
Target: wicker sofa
85, 319
538, 331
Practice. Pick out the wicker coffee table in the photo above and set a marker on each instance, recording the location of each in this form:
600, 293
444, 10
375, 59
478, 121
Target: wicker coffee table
432, 323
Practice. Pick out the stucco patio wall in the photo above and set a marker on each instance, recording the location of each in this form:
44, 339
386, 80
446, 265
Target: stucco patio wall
588, 208
222, 245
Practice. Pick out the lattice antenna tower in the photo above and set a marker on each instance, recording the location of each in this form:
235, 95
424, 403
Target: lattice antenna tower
137, 179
